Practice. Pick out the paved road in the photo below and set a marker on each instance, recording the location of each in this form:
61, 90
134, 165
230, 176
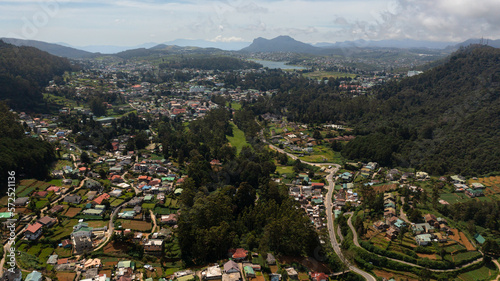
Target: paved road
331, 230
111, 226
498, 265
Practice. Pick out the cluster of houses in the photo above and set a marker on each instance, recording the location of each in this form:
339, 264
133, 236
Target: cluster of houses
392, 224
475, 189
433, 229
311, 199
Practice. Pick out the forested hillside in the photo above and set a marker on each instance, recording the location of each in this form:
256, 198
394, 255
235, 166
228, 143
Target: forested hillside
445, 120
23, 73
21, 154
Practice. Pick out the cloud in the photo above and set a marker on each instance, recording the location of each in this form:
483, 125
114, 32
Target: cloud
438, 20
220, 38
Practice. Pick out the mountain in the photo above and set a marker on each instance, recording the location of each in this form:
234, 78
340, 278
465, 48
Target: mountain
54, 49
111, 49
489, 42
396, 43
280, 44
443, 121
227, 46
23, 73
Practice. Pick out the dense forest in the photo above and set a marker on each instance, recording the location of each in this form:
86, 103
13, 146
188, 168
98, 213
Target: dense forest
234, 204
445, 120
21, 154
23, 73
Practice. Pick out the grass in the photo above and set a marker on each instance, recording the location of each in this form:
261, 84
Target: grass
284, 170
321, 74
116, 202
466, 255
454, 197
63, 252
482, 273
65, 230
238, 139
135, 225
322, 152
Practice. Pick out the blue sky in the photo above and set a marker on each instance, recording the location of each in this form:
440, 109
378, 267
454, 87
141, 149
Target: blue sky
134, 22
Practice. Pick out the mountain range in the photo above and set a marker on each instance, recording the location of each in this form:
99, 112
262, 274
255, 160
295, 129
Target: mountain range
278, 44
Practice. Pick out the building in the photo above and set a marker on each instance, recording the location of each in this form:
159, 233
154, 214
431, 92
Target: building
212, 273
271, 260
423, 239
34, 276
14, 275
231, 267
82, 244
74, 199
34, 231
153, 246
249, 272
239, 254
319, 276
292, 273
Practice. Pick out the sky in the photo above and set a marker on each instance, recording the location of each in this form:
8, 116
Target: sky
134, 22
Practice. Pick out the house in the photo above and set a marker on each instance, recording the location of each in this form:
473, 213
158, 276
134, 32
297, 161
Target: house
169, 219
82, 244
66, 243
231, 267
380, 225
40, 194
472, 193
56, 209
319, 276
271, 260
292, 273
212, 273
392, 232
116, 193
21, 201
239, 254
34, 276
93, 185
430, 219
47, 221
153, 246
477, 185
74, 199
479, 238
423, 239
249, 272
101, 198
33, 231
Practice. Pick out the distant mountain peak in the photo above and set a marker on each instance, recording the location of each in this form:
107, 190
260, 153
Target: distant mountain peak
282, 43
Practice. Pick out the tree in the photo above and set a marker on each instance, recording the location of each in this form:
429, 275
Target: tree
97, 106
84, 157
297, 166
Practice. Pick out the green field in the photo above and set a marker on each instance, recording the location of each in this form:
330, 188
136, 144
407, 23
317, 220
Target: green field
322, 152
482, 273
454, 197
328, 74
238, 139
235, 105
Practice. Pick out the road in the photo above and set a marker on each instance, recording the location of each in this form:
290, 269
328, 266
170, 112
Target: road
498, 265
111, 226
331, 230
153, 217
329, 211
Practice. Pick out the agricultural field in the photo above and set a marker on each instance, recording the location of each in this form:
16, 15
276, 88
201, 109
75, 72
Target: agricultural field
72, 212
63, 230
483, 273
97, 223
135, 225
492, 185
66, 276
384, 187
322, 154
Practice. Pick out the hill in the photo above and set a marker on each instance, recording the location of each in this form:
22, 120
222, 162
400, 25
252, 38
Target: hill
23, 73
280, 44
54, 49
26, 156
445, 120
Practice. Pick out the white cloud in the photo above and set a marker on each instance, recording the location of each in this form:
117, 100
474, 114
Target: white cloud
220, 38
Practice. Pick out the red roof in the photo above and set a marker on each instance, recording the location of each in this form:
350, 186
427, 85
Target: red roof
101, 198
33, 228
319, 276
317, 184
41, 193
240, 253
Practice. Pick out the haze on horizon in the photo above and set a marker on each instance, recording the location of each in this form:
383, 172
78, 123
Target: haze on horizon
135, 22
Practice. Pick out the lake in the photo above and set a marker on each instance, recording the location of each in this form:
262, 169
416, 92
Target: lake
277, 64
